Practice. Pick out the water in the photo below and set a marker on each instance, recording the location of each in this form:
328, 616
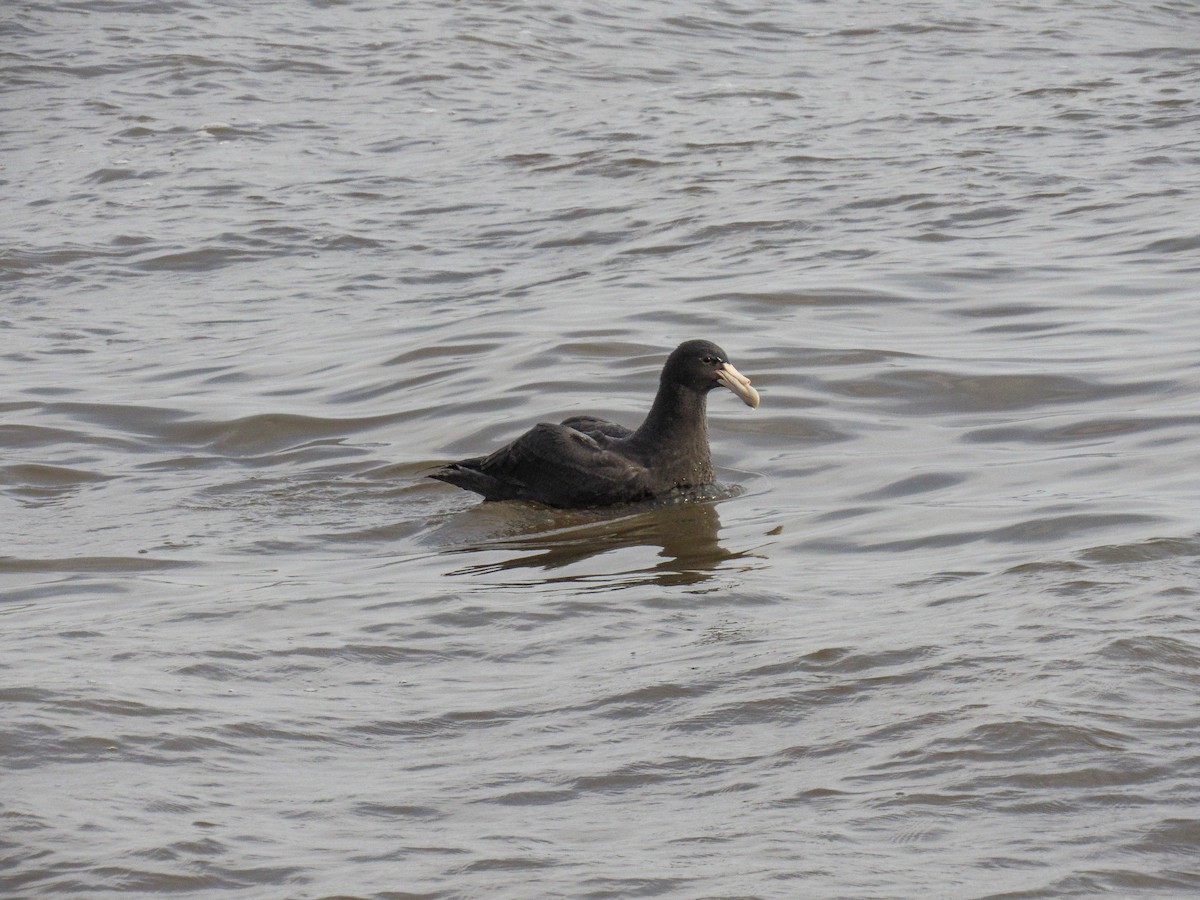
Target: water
264, 266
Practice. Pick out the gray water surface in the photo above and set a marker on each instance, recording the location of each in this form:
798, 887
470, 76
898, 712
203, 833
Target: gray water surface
262, 266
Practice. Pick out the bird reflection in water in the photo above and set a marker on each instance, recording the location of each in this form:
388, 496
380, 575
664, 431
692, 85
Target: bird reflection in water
683, 529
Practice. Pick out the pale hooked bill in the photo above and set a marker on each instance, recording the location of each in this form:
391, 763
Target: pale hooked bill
739, 384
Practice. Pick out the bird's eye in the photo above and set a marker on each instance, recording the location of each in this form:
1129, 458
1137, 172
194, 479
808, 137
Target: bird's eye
708, 360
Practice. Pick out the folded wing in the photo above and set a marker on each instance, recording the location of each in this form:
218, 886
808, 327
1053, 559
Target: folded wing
558, 465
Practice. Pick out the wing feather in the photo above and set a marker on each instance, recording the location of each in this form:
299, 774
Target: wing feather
562, 466
600, 429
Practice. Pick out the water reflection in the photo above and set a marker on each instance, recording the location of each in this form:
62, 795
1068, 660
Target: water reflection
515, 536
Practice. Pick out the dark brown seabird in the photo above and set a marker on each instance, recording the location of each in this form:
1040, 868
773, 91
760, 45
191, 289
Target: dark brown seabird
585, 461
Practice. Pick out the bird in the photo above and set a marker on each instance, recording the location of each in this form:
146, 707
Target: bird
585, 461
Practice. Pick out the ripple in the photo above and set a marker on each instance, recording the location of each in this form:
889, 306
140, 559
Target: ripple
89, 564
943, 391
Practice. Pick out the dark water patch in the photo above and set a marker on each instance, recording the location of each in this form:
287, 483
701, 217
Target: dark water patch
448, 276
914, 484
1153, 549
1189, 244
1047, 527
884, 201
393, 812
208, 259
648, 886
225, 132
376, 654
26, 695
108, 706
534, 797
585, 238
1029, 328
1084, 432
1088, 589
385, 535
90, 565
1095, 881
183, 463
248, 733
16, 264
422, 357
848, 356
932, 391
742, 228
209, 374
1171, 836
775, 300
473, 616
785, 431
646, 700
108, 175
265, 433
618, 167
34, 474
121, 879
266, 546
985, 215
1047, 567
604, 346
210, 672
1156, 651
36, 484
137, 133
640, 776
54, 391
221, 189
842, 660
1032, 532
454, 724
657, 249
817, 689
529, 160
349, 242
757, 95
1086, 779
509, 864
139, 420
37, 747
60, 589
1024, 739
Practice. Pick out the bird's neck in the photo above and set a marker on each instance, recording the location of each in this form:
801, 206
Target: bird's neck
675, 435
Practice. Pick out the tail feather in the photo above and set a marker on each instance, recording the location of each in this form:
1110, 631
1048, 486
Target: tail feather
466, 476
